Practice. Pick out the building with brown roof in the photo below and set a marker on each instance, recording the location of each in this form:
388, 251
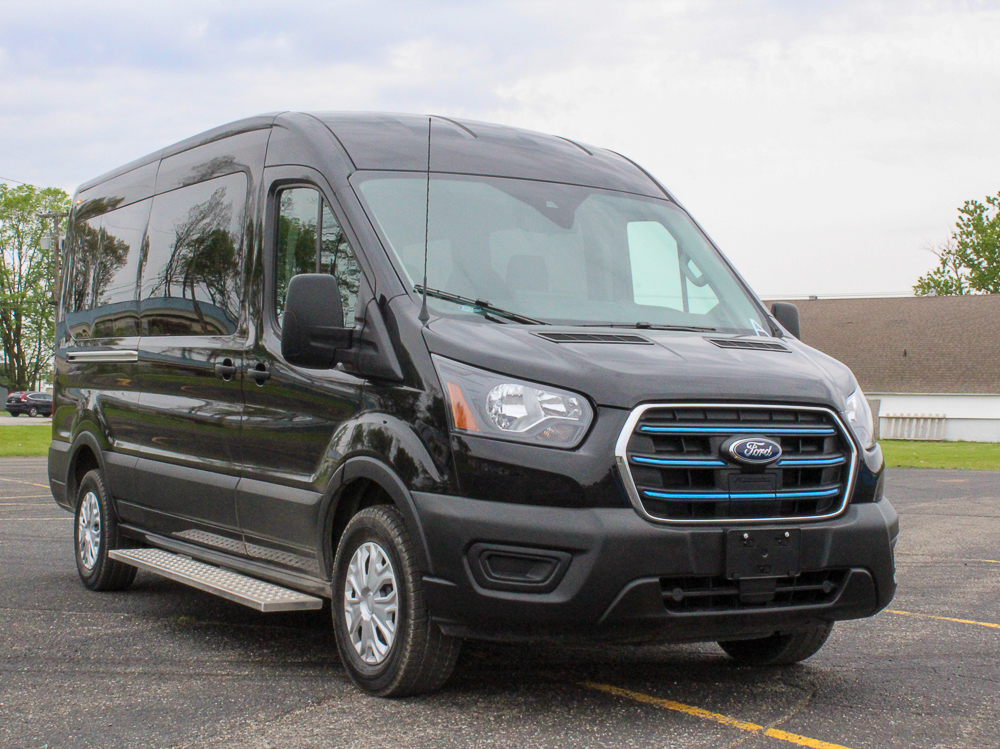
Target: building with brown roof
918, 356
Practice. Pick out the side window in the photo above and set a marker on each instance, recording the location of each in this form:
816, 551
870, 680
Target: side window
310, 240
192, 276
108, 250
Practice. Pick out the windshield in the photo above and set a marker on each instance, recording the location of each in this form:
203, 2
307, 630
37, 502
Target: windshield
557, 253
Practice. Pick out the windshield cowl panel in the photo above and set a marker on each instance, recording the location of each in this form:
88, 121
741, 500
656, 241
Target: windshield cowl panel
554, 253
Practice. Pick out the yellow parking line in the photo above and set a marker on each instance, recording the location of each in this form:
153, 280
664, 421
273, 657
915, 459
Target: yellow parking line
29, 483
67, 517
26, 496
949, 559
725, 720
943, 618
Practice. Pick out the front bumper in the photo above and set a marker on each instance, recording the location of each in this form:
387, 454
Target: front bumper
610, 585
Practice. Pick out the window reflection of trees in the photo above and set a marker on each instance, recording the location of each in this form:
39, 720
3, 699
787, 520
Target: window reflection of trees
199, 265
297, 248
102, 279
99, 255
337, 259
203, 257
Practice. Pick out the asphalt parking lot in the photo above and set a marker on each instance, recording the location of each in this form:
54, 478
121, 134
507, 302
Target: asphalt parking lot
165, 666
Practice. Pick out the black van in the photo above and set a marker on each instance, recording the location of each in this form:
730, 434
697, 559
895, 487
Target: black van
464, 381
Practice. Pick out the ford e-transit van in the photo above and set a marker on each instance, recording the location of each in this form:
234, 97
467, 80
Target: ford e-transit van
462, 380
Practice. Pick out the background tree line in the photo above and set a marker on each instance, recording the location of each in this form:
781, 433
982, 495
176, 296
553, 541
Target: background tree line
970, 260
26, 272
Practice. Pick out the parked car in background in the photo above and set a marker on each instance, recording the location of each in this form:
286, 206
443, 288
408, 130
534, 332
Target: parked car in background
31, 403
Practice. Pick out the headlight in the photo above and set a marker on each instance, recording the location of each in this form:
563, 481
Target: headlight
859, 416
492, 405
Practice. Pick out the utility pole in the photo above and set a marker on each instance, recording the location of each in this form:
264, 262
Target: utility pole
52, 242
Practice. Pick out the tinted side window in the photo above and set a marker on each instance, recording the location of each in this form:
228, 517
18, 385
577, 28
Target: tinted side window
102, 300
310, 240
192, 276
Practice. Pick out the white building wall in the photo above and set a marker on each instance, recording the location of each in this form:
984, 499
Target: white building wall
970, 418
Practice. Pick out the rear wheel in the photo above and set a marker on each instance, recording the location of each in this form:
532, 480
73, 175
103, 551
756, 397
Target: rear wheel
780, 649
95, 534
33, 411
386, 640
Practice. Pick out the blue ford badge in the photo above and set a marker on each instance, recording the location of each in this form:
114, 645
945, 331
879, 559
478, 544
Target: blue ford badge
755, 451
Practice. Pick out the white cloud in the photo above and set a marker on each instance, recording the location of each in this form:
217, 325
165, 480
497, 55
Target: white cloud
822, 145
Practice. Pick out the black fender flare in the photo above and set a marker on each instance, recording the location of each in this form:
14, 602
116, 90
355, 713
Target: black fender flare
83, 438
364, 467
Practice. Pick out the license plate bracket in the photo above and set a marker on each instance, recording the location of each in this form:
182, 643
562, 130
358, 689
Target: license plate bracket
762, 552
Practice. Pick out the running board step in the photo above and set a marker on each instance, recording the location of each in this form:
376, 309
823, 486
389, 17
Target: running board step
236, 587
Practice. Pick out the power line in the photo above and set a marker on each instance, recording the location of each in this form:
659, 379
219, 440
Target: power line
14, 180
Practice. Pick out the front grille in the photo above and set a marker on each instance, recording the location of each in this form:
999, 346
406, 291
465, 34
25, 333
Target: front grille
684, 594
675, 470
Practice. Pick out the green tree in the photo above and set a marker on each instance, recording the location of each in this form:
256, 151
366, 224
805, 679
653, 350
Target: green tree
26, 327
970, 261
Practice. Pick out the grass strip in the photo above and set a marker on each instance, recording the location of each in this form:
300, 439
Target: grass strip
976, 456
30, 440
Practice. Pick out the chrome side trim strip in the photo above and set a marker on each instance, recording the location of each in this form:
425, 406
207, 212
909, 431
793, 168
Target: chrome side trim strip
115, 356
621, 459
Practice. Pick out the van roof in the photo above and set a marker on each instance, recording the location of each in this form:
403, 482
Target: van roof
386, 141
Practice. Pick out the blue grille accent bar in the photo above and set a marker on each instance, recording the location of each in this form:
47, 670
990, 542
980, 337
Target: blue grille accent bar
737, 430
692, 462
806, 462
739, 495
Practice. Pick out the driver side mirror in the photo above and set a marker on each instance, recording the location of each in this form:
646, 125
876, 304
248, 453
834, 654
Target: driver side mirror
312, 331
788, 315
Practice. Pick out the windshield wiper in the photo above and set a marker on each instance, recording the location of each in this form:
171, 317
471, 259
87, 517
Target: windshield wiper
650, 326
480, 304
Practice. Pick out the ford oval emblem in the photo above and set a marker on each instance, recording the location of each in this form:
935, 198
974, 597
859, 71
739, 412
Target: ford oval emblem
754, 451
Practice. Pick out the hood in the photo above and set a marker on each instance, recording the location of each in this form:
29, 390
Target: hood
669, 366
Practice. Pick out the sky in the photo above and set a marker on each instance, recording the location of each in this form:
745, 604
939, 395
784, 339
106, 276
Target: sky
824, 146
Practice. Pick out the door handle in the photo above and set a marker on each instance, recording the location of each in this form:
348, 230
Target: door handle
226, 368
259, 372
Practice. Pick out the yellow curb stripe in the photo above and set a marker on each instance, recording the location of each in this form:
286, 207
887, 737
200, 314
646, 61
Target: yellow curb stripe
29, 483
943, 618
697, 712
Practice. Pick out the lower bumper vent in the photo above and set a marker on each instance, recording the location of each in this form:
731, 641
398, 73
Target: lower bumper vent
687, 594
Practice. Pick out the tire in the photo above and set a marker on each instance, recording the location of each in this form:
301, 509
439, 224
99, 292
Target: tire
95, 534
778, 649
408, 654
32, 412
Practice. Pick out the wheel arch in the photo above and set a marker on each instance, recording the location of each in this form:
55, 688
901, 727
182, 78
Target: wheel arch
85, 455
365, 482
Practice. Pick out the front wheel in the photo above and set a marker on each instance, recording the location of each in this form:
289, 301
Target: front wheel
96, 533
386, 640
33, 412
779, 649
